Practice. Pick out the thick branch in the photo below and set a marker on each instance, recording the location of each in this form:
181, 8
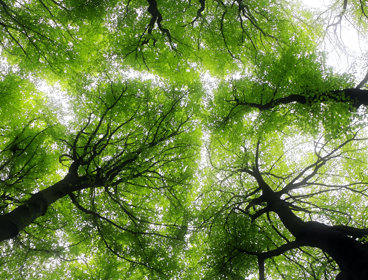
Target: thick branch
261, 257
337, 241
352, 231
355, 96
156, 17
22, 216
363, 82
261, 268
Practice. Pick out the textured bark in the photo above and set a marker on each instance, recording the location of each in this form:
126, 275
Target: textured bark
337, 241
355, 96
22, 216
350, 255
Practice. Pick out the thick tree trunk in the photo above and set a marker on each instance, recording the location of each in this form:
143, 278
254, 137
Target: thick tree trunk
350, 254
22, 216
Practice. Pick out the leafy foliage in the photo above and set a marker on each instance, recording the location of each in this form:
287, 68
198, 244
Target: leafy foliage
120, 159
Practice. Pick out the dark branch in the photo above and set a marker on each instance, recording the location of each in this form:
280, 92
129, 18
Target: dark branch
363, 82
199, 11
156, 17
355, 96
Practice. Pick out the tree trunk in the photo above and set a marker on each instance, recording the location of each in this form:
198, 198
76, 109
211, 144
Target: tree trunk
350, 254
22, 216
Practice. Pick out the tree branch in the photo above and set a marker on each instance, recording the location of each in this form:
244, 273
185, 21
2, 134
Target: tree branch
356, 96
363, 82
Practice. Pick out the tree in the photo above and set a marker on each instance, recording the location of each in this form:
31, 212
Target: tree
115, 180
125, 166
276, 204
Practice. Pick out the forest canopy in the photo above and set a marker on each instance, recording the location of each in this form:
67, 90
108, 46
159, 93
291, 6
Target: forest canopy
208, 139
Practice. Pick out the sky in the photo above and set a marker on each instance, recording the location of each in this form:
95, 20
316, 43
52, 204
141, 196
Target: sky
346, 48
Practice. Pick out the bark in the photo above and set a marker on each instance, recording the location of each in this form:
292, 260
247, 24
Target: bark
337, 241
350, 255
261, 269
156, 17
355, 96
22, 216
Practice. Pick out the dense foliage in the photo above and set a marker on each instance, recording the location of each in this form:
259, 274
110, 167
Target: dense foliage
208, 139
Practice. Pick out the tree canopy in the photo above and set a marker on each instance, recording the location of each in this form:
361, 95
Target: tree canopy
156, 139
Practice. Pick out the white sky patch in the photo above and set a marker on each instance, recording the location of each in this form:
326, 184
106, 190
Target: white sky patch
346, 48
5, 67
119, 71
132, 74
315, 4
59, 99
209, 84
